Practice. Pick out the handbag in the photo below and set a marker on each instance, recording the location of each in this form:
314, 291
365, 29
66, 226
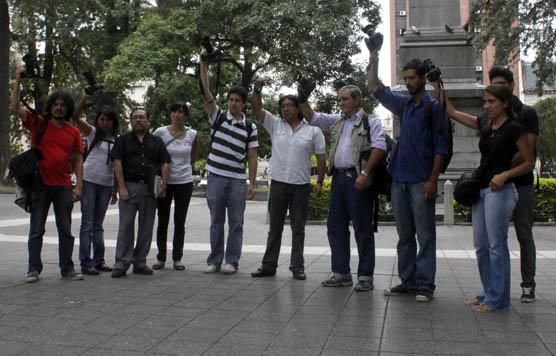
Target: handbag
468, 189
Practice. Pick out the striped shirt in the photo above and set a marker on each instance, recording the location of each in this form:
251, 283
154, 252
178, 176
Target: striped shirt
227, 151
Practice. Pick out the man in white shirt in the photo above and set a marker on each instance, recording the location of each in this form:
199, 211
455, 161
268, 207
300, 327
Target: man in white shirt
293, 143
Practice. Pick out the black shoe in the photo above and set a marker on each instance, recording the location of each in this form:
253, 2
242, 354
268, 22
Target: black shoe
143, 270
103, 267
90, 271
527, 295
400, 289
118, 273
299, 275
261, 272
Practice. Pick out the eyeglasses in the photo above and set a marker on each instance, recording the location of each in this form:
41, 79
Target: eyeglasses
139, 117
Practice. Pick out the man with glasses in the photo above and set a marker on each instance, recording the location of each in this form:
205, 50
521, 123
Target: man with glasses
138, 157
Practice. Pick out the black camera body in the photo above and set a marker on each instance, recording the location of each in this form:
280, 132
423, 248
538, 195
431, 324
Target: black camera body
433, 72
31, 69
93, 85
305, 86
211, 54
374, 40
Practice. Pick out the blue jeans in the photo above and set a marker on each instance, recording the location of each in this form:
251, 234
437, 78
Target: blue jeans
491, 216
348, 204
225, 194
61, 198
415, 215
94, 203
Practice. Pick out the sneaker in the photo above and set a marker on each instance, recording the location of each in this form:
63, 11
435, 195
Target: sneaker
91, 271
363, 286
32, 277
423, 298
228, 269
400, 289
118, 273
72, 276
211, 269
333, 281
143, 270
527, 295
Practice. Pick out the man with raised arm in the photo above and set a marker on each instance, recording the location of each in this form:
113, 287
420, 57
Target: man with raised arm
414, 167
61, 154
355, 150
233, 141
294, 141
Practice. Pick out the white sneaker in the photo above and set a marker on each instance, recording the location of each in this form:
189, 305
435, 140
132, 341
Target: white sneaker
423, 298
228, 269
211, 269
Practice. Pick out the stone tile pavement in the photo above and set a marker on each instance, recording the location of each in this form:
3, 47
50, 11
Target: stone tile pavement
189, 313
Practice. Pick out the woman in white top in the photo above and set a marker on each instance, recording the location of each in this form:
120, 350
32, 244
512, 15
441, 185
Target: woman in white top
98, 185
181, 143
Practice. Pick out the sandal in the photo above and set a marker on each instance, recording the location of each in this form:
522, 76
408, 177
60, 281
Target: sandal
482, 308
158, 265
179, 266
473, 301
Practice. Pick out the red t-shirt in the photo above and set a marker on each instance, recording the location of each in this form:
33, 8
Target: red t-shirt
56, 147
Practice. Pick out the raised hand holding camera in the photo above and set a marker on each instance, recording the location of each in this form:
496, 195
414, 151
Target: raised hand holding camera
374, 40
259, 83
305, 86
209, 53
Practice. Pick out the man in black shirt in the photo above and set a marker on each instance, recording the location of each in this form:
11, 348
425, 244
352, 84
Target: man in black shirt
523, 213
137, 156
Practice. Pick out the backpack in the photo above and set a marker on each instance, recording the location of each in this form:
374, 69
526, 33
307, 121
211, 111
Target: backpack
447, 131
382, 181
220, 120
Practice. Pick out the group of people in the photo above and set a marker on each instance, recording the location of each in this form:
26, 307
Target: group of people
145, 172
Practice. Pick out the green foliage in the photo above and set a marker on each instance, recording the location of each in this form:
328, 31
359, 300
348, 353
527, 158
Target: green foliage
546, 110
318, 206
516, 25
545, 203
200, 165
545, 200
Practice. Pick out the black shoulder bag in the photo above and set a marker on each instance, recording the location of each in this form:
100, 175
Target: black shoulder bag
467, 189
24, 169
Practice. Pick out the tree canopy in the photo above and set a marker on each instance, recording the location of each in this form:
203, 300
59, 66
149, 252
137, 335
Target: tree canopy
546, 110
518, 25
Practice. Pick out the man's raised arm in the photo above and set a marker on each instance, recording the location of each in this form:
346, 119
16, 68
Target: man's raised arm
208, 99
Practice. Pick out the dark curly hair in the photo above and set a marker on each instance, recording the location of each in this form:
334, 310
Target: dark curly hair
416, 64
68, 100
294, 99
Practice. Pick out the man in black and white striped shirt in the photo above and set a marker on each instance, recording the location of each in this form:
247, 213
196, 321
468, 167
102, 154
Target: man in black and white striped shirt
233, 140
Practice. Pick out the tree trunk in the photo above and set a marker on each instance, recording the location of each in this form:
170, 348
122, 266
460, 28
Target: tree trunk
4, 88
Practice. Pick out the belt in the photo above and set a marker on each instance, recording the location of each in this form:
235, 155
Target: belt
140, 181
347, 171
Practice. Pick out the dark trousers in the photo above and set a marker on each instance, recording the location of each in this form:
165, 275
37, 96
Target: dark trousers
523, 223
181, 194
61, 198
284, 197
348, 203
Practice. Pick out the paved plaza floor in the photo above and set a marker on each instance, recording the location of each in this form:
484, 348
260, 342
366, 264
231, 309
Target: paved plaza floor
190, 313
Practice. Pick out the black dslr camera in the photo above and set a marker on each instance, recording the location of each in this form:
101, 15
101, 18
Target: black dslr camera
374, 39
433, 72
211, 54
31, 69
93, 86
305, 86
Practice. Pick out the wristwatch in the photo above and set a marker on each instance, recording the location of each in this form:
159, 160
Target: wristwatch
363, 172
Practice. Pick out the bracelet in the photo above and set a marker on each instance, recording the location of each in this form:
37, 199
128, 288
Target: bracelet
210, 102
363, 172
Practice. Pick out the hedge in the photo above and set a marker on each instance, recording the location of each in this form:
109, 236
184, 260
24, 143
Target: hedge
318, 207
545, 203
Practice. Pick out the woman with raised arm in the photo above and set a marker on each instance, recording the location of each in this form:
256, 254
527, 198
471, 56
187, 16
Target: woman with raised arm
181, 143
98, 185
501, 137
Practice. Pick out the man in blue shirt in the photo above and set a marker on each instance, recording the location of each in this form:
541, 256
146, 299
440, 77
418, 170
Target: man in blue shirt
415, 166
